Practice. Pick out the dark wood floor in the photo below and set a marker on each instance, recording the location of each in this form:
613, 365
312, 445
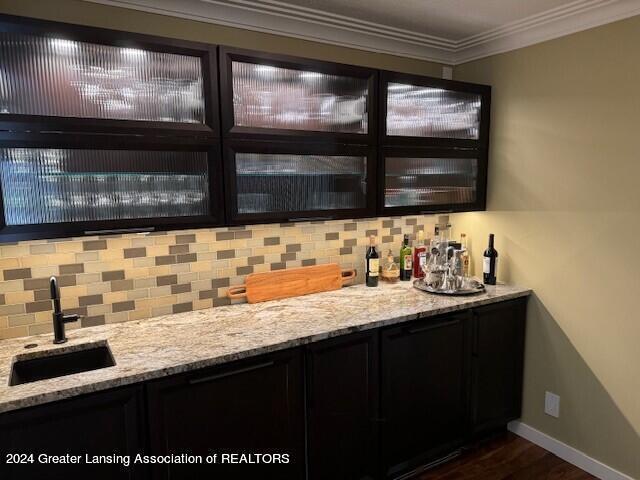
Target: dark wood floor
506, 457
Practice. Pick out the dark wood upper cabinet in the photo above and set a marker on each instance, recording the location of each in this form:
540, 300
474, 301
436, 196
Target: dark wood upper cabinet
300, 139
498, 358
277, 97
254, 406
104, 131
414, 180
342, 407
71, 79
424, 400
434, 142
433, 112
284, 181
98, 186
105, 423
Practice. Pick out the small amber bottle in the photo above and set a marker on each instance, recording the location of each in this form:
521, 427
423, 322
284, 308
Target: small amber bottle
390, 270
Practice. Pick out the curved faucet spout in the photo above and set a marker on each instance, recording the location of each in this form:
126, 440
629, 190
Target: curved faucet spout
59, 318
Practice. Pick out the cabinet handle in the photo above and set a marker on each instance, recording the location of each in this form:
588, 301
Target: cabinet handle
309, 379
195, 381
433, 212
309, 219
119, 230
432, 326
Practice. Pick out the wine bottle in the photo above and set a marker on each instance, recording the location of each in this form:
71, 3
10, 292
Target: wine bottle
490, 263
406, 263
419, 256
373, 263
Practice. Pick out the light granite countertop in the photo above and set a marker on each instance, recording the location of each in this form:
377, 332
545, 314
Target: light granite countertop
162, 346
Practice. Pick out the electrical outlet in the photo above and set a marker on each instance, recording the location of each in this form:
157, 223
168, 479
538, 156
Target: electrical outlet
552, 404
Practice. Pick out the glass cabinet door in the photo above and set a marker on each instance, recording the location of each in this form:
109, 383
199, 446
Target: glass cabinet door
425, 111
89, 189
60, 80
291, 182
270, 95
66, 78
421, 181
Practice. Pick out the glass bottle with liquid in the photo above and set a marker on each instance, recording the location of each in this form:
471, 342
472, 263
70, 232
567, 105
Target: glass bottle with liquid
390, 270
373, 263
466, 257
420, 255
406, 260
490, 263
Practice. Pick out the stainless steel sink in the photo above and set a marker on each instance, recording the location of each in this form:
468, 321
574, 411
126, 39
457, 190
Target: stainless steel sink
41, 367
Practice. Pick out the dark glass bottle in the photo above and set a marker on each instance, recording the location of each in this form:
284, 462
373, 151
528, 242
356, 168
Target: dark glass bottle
406, 260
490, 263
373, 263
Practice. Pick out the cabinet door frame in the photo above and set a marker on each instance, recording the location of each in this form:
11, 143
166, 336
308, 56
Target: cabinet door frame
229, 130
395, 151
418, 326
230, 147
519, 306
32, 126
134, 405
372, 338
11, 233
154, 389
483, 90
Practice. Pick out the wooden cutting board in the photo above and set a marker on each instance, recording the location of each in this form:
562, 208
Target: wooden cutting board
293, 282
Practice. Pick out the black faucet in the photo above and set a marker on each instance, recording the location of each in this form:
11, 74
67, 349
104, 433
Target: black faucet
59, 319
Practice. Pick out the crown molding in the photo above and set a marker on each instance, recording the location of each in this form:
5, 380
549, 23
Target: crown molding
304, 24
558, 22
270, 16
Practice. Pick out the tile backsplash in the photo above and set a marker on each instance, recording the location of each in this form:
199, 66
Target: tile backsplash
133, 276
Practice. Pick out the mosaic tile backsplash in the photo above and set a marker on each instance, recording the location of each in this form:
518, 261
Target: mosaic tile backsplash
118, 278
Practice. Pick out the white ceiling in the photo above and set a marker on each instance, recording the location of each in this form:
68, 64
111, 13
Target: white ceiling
447, 31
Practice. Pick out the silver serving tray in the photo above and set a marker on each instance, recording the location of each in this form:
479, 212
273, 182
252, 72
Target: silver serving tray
420, 285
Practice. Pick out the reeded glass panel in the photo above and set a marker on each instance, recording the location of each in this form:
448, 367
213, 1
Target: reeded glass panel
414, 111
57, 77
274, 97
429, 181
63, 185
297, 183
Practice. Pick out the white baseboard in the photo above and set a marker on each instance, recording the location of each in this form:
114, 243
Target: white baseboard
567, 453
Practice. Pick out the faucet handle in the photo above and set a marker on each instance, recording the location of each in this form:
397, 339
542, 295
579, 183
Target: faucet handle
72, 317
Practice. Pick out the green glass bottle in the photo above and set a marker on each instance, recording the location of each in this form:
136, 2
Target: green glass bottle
406, 260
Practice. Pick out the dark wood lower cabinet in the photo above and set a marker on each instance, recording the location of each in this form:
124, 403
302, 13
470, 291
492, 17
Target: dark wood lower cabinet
342, 407
424, 391
108, 423
497, 363
252, 407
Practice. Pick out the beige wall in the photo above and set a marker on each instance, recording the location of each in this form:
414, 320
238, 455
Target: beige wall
564, 203
85, 13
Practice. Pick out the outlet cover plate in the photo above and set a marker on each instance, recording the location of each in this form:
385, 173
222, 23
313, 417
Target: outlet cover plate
552, 404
